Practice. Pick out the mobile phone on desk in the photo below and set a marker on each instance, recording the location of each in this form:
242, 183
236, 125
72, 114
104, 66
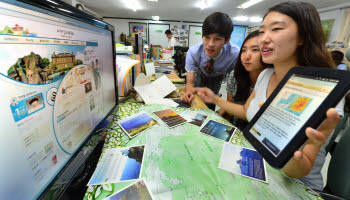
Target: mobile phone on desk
300, 100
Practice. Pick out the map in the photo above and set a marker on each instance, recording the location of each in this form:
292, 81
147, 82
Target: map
183, 164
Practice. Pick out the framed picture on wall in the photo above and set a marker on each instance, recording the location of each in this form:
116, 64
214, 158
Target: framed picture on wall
138, 28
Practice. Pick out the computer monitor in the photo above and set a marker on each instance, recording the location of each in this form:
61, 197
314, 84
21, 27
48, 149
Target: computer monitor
57, 84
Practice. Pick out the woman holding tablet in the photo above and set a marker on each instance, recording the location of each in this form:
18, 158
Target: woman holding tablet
242, 79
290, 35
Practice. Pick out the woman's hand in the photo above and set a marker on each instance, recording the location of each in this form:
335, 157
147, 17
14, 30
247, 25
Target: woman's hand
303, 160
206, 95
221, 112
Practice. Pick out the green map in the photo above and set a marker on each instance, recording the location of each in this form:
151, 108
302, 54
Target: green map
182, 163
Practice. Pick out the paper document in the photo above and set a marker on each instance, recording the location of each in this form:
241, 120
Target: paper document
155, 91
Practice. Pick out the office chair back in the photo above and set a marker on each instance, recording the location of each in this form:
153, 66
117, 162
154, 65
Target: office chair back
338, 176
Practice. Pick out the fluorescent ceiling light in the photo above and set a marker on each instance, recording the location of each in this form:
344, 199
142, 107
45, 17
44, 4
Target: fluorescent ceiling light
153, 0
255, 19
52, 2
204, 4
132, 4
155, 18
241, 18
64, 10
249, 3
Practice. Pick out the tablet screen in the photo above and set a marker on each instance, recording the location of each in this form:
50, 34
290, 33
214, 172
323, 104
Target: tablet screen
291, 108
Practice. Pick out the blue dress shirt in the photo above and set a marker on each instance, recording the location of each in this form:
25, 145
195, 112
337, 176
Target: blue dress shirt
196, 59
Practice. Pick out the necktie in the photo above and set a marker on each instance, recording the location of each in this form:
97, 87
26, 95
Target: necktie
210, 66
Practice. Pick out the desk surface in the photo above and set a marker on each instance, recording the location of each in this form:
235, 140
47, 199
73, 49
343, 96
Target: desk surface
182, 163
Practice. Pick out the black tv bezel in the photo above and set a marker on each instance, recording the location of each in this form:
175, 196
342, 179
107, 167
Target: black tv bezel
79, 15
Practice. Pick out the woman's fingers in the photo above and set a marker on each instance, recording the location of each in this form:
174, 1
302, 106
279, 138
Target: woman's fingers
315, 137
319, 136
298, 155
330, 122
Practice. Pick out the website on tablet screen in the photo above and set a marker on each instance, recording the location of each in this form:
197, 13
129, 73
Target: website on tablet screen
290, 109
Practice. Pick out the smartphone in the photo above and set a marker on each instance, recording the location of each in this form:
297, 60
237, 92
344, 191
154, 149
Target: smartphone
301, 100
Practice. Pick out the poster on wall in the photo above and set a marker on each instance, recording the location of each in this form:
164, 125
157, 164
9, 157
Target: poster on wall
327, 26
138, 28
180, 34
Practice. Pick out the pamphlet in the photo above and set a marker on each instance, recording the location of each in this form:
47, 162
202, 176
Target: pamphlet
170, 117
135, 124
218, 130
120, 164
242, 161
136, 191
194, 118
156, 91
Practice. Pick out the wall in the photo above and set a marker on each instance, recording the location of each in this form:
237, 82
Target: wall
122, 25
338, 15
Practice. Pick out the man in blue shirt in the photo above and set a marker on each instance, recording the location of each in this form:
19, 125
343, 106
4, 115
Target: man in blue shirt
207, 63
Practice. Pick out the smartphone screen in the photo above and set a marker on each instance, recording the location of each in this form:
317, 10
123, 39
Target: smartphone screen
290, 109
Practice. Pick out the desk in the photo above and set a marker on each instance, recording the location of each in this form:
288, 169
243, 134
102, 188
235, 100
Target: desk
181, 163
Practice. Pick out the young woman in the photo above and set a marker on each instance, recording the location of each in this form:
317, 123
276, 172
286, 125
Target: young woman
290, 35
241, 81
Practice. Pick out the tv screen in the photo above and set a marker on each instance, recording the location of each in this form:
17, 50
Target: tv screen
57, 84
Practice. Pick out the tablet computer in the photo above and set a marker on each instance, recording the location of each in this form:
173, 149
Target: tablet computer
300, 100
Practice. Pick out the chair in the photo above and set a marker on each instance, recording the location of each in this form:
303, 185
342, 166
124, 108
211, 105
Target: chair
338, 176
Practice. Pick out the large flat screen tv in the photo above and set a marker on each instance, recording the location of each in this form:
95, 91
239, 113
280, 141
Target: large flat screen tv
57, 84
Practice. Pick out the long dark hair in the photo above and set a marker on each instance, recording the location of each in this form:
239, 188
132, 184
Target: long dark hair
242, 75
313, 51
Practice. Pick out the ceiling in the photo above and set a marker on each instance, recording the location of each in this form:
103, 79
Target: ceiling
186, 10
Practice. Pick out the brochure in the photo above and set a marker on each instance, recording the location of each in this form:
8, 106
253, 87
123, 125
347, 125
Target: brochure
242, 161
170, 118
135, 124
156, 90
218, 130
120, 164
194, 118
136, 191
